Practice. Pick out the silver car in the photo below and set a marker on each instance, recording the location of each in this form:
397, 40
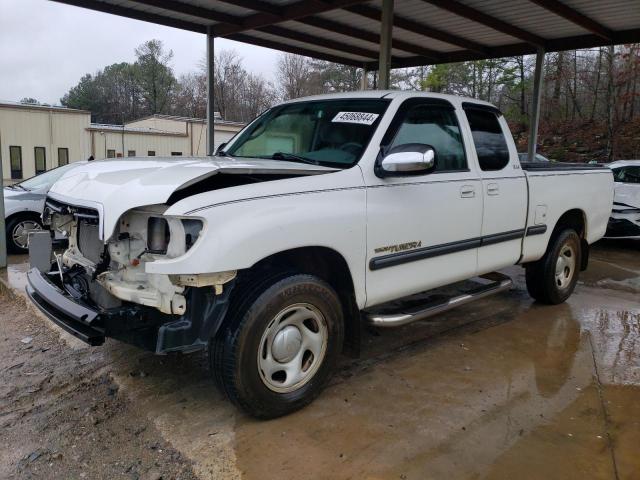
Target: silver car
23, 204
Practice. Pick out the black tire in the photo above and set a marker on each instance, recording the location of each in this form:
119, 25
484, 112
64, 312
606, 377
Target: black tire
542, 283
12, 225
234, 353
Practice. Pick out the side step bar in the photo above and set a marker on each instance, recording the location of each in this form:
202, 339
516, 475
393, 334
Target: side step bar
499, 283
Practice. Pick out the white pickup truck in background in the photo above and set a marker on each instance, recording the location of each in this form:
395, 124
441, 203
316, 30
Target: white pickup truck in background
323, 213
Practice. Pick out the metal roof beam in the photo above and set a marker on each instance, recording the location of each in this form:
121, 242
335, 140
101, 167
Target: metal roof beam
293, 11
420, 29
179, 7
554, 45
488, 20
310, 39
366, 35
576, 17
284, 47
136, 14
257, 5
189, 9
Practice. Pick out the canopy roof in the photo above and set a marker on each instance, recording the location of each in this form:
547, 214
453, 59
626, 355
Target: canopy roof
425, 31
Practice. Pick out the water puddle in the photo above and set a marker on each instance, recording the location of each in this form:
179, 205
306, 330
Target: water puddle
517, 398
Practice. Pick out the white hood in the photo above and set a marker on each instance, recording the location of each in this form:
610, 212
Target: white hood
116, 186
627, 194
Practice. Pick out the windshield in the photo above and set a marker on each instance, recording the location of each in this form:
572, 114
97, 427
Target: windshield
46, 179
628, 174
333, 133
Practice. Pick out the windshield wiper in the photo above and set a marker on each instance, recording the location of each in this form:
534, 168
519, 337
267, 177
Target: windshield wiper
293, 158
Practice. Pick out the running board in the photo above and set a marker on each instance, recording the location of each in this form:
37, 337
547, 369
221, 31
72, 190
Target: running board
499, 283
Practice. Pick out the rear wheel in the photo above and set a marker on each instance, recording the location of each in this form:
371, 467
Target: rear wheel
553, 278
280, 346
18, 229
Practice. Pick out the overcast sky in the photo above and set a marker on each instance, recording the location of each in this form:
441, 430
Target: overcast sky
45, 47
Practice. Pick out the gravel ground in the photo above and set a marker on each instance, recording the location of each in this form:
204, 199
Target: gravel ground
62, 416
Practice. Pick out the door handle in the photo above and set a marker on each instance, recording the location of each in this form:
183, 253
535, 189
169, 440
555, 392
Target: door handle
467, 191
493, 189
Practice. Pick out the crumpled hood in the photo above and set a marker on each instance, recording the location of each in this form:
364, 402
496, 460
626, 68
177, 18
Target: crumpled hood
17, 194
115, 186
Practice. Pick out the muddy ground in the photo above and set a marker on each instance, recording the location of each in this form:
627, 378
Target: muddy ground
62, 415
503, 388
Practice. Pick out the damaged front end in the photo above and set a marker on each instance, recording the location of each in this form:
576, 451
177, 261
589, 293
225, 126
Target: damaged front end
624, 222
99, 289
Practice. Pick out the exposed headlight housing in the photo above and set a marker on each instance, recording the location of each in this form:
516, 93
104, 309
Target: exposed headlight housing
146, 231
158, 235
172, 236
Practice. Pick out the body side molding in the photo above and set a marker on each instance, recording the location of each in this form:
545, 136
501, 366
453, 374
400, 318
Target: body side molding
393, 259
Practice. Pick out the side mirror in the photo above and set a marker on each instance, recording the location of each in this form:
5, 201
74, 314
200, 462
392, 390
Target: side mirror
220, 148
408, 159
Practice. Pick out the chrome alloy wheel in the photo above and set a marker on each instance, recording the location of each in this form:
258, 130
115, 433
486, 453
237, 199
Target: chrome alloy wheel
565, 266
292, 348
21, 231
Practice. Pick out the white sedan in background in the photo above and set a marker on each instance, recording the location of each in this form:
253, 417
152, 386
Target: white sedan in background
23, 204
625, 216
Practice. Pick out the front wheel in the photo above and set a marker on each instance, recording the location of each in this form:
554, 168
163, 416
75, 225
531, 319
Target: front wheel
553, 278
280, 346
18, 229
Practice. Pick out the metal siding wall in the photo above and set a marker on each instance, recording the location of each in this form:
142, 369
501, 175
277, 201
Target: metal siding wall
42, 128
165, 124
69, 131
163, 145
58, 129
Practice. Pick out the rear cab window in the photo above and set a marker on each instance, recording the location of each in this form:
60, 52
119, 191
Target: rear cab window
488, 137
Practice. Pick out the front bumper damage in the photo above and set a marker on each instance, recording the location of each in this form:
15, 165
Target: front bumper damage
57, 296
624, 222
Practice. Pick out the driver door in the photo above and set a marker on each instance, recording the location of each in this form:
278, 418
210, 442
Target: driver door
423, 230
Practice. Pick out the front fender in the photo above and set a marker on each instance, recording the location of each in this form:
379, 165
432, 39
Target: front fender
238, 235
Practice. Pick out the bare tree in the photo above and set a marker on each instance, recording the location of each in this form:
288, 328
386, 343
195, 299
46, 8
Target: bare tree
190, 98
295, 75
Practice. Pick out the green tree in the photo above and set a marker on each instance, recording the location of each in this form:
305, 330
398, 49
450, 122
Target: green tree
154, 75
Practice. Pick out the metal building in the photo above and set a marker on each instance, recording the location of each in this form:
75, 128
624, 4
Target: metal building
36, 138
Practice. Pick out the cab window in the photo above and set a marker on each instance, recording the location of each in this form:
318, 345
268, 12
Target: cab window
627, 174
436, 126
488, 138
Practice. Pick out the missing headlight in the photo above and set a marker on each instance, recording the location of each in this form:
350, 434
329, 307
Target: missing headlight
157, 235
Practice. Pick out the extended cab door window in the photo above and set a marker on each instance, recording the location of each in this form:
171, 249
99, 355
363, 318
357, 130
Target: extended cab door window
491, 146
436, 126
504, 188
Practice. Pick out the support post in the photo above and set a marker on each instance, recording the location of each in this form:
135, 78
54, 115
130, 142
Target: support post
3, 230
386, 33
210, 93
364, 81
535, 104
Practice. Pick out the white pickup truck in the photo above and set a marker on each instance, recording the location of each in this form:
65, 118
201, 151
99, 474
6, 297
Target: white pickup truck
322, 214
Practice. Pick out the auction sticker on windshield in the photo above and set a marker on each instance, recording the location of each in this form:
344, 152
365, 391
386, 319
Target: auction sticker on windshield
362, 118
